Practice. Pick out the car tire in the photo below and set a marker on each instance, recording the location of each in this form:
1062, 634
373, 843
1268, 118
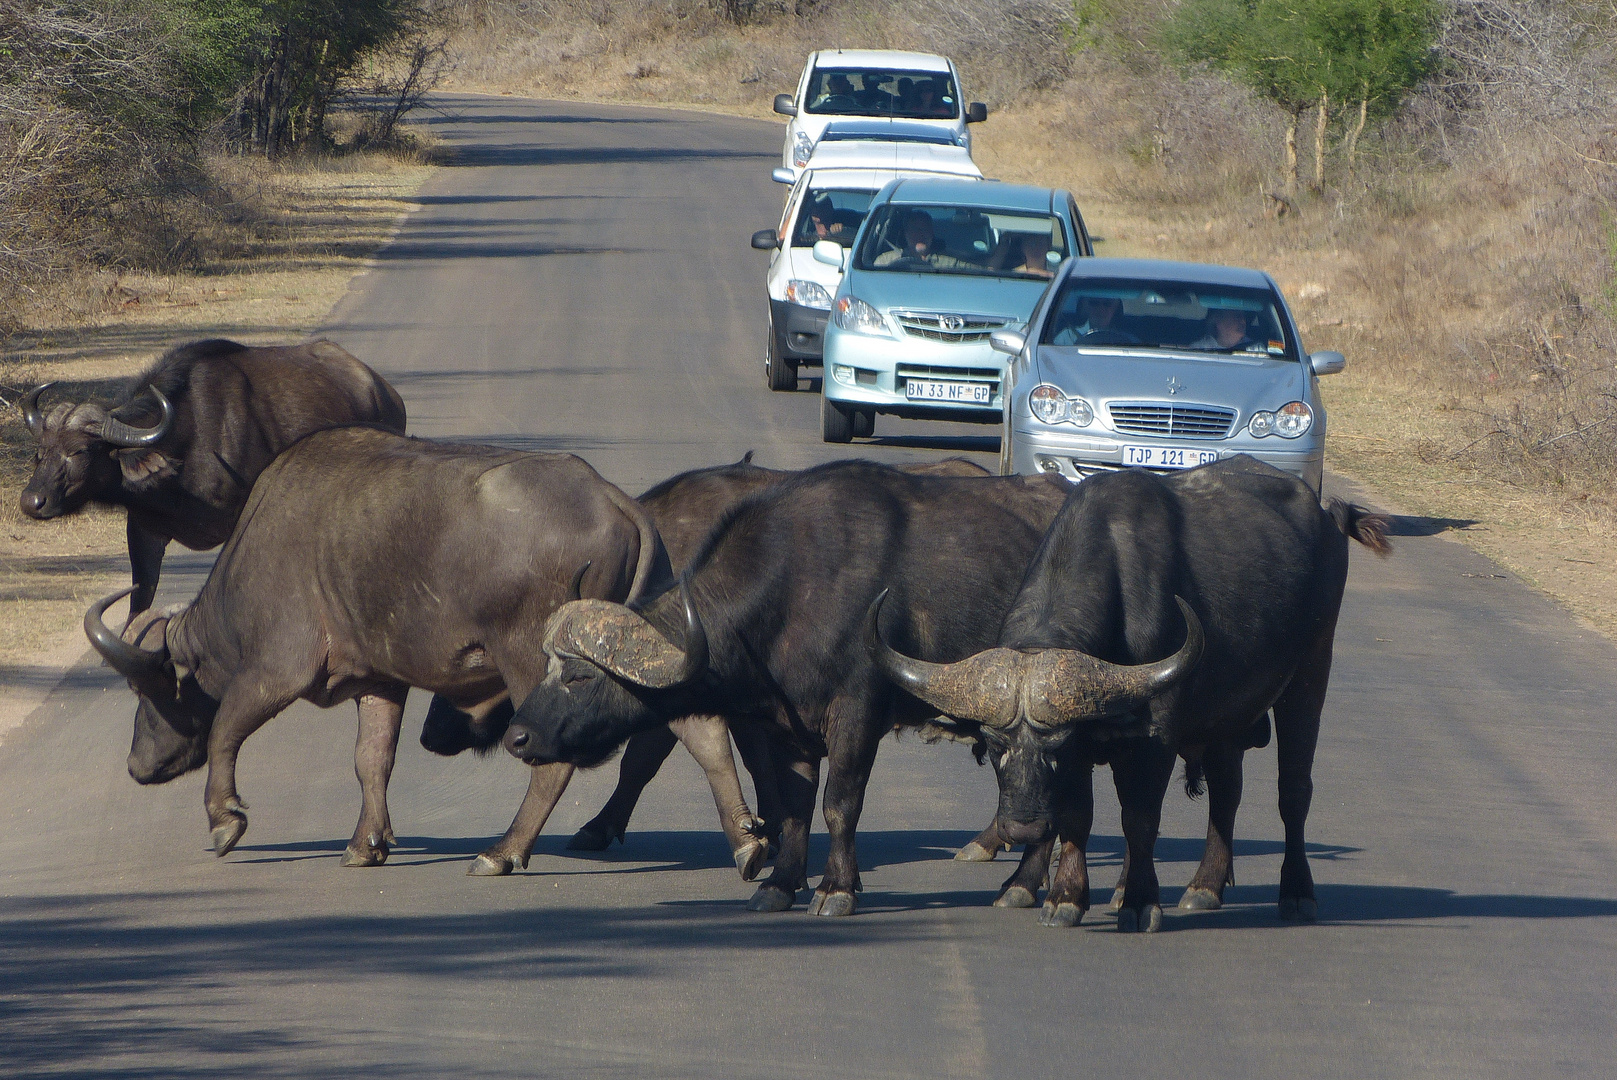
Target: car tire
864, 423
836, 422
781, 373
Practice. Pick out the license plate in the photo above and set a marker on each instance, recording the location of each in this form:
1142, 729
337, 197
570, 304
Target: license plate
975, 393
1167, 457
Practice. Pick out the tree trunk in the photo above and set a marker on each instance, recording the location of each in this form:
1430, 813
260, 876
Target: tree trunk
1358, 129
1291, 153
1319, 142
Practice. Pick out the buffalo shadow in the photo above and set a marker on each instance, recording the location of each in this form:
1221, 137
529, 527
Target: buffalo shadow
1414, 525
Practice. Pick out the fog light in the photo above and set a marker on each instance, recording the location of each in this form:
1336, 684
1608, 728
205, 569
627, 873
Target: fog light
844, 374
1049, 464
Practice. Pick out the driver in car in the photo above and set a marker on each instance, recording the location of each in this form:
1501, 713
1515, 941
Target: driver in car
1099, 313
919, 245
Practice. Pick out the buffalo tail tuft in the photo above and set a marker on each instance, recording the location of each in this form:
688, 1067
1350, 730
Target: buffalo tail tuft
1365, 526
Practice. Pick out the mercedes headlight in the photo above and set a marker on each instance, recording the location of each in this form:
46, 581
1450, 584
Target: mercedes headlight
1051, 405
1290, 421
808, 294
802, 147
856, 315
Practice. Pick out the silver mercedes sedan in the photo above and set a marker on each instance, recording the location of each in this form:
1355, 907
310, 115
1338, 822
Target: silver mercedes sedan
1142, 363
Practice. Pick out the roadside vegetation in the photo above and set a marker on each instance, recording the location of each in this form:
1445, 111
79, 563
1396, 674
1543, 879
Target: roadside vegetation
1432, 181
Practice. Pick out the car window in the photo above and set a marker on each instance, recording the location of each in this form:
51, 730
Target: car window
963, 240
831, 214
1167, 315
913, 95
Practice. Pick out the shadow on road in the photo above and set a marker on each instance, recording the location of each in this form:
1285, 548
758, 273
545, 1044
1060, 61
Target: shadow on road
1407, 525
493, 154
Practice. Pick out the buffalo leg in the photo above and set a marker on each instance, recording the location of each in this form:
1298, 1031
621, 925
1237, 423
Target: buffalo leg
545, 785
1068, 898
852, 753
146, 550
241, 712
374, 752
1021, 889
642, 757
708, 740
1296, 736
1221, 764
984, 846
799, 778
753, 743
1141, 775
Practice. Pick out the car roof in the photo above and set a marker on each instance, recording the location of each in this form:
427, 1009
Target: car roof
1169, 270
994, 195
853, 59
887, 130
891, 157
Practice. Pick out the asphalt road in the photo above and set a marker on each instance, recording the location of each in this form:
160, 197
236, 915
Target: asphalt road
580, 280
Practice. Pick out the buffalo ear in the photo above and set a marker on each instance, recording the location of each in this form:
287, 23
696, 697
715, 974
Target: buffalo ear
144, 470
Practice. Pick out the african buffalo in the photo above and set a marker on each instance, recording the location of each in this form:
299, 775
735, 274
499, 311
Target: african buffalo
185, 442
366, 563
1181, 608
765, 627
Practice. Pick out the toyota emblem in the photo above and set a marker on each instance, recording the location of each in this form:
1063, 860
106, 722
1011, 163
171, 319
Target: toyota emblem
1174, 385
953, 323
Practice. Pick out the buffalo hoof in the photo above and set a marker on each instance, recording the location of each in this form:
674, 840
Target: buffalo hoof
769, 898
1146, 920
1015, 896
489, 864
1200, 900
1298, 908
226, 835
1115, 904
750, 858
833, 903
1062, 915
593, 837
975, 852
371, 854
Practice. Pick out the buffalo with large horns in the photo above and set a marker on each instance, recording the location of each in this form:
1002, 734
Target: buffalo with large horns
421, 564
1161, 615
183, 445
765, 628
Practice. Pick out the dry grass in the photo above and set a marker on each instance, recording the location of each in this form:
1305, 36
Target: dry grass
269, 270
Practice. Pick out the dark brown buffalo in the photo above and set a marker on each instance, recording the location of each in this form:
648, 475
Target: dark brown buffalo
366, 563
183, 445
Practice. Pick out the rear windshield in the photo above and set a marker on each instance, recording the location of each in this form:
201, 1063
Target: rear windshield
913, 95
1167, 315
963, 240
830, 214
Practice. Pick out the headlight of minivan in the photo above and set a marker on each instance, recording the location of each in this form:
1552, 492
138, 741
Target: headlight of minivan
854, 314
1292, 420
1051, 405
802, 147
808, 294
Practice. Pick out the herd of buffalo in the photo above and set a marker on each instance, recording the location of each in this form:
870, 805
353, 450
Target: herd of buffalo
1130, 620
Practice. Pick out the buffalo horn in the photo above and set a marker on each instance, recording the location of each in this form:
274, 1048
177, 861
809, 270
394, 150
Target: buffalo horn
120, 434
981, 688
620, 641
576, 590
1069, 687
130, 661
30, 409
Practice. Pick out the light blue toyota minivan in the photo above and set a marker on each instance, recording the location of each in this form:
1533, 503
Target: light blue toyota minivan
937, 267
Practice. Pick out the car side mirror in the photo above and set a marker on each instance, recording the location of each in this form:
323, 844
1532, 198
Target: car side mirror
1009, 342
976, 112
785, 105
766, 240
783, 175
830, 253
1327, 363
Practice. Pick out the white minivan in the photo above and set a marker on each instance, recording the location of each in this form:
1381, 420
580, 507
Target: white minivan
828, 202
840, 84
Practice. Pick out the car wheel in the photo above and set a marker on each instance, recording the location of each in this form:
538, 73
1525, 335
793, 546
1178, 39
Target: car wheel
864, 423
782, 373
836, 422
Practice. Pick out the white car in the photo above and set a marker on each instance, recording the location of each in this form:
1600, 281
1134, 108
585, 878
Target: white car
843, 84
828, 202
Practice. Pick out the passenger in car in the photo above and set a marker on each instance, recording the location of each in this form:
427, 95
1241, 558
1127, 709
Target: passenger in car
929, 99
1226, 329
919, 245
1099, 314
1023, 253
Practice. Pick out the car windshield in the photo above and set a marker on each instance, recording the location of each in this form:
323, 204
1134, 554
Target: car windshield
963, 240
913, 95
829, 214
1167, 315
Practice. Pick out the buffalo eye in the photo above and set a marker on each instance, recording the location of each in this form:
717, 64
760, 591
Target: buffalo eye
578, 677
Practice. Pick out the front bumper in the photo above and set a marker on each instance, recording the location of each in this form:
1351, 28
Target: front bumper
1077, 456
799, 330
870, 372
